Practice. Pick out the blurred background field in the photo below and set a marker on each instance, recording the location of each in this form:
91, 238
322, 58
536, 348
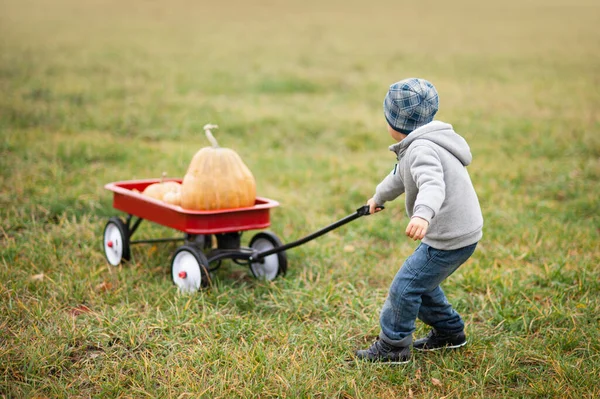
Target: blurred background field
98, 91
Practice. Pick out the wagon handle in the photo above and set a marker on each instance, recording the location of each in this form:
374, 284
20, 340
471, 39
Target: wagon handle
362, 211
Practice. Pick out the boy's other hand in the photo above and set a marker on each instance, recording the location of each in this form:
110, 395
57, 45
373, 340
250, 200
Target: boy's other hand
417, 228
373, 207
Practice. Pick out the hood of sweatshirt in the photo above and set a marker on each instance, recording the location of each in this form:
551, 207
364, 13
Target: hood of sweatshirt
441, 134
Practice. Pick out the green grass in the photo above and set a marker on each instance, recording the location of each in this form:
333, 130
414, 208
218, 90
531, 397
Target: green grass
101, 91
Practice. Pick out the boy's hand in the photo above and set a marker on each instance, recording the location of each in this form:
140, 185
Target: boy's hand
417, 228
373, 207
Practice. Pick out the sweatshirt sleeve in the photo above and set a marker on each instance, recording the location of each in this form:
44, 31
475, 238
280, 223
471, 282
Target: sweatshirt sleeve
390, 188
428, 174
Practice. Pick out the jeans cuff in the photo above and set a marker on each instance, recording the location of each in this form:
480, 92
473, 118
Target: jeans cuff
404, 342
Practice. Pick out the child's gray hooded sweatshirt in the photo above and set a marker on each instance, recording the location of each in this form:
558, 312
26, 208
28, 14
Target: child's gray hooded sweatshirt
432, 171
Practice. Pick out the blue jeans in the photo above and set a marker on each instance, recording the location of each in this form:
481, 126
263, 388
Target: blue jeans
415, 292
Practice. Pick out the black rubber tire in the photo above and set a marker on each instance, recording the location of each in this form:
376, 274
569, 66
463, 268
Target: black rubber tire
265, 241
120, 226
197, 266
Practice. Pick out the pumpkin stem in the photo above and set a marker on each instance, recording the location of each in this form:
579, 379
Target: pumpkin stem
209, 134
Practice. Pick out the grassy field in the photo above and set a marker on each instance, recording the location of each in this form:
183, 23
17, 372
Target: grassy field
98, 91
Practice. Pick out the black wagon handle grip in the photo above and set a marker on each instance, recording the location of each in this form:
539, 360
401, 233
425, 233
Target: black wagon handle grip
365, 210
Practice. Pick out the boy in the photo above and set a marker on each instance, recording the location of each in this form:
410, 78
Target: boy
444, 214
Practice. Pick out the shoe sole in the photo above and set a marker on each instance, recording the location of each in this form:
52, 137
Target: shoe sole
396, 363
441, 347
384, 363
375, 361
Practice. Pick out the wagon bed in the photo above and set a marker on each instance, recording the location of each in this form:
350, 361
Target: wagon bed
128, 197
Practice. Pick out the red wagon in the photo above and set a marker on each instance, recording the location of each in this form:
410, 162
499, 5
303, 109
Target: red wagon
197, 257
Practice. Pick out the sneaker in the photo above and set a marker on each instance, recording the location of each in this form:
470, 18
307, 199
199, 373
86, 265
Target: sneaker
381, 351
435, 341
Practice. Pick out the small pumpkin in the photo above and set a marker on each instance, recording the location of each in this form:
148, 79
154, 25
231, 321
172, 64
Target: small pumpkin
169, 191
173, 197
217, 178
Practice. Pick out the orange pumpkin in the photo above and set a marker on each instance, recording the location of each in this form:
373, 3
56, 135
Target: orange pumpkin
173, 197
217, 178
169, 191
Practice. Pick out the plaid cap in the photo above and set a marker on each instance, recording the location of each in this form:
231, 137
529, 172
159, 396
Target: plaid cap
409, 104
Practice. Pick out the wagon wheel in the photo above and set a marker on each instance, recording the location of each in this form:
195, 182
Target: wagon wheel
116, 241
189, 269
272, 265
